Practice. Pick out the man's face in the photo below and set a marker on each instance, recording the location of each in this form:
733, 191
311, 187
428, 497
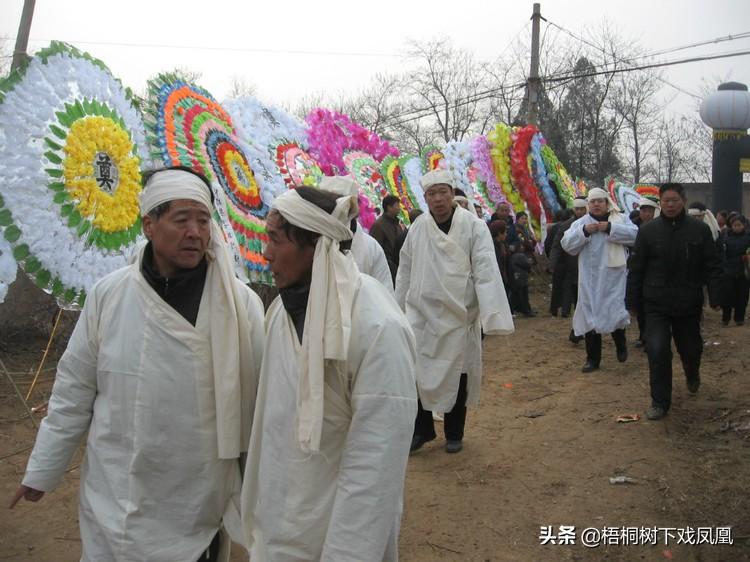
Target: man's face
646, 213
179, 237
503, 211
598, 206
393, 210
478, 211
579, 211
523, 220
439, 198
737, 226
290, 263
672, 204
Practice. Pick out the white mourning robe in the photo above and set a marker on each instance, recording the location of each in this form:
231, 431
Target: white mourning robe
138, 377
370, 258
601, 288
450, 287
343, 503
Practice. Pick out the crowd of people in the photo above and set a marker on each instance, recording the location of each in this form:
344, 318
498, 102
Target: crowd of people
289, 430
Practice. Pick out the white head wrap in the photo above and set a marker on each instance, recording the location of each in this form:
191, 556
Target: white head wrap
343, 186
709, 219
231, 347
328, 319
646, 202
579, 203
435, 177
616, 253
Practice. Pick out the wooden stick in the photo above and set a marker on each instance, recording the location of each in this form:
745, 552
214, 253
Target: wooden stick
44, 357
20, 395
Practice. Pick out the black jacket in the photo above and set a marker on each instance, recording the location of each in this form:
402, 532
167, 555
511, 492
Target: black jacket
734, 247
671, 262
560, 260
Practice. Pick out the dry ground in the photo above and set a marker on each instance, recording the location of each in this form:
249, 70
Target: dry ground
539, 451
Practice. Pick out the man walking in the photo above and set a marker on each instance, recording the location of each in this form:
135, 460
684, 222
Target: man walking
161, 370
387, 229
449, 285
599, 239
674, 257
336, 402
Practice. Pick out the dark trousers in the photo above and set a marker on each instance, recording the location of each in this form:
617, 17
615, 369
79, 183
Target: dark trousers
558, 287
521, 300
594, 344
660, 329
735, 292
453, 421
569, 297
641, 316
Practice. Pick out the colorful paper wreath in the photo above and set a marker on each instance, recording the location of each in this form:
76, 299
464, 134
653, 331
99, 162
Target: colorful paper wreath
548, 195
331, 135
519, 165
485, 171
189, 128
431, 156
70, 176
456, 159
479, 191
501, 143
647, 190
411, 169
363, 168
624, 195
296, 166
556, 172
396, 183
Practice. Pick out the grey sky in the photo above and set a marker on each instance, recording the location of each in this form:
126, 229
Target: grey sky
373, 32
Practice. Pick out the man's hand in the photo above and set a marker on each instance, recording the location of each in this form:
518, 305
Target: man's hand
29, 494
591, 228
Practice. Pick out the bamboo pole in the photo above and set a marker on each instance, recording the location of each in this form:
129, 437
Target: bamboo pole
44, 357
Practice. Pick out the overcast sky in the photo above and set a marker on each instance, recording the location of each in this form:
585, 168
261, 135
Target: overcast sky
288, 49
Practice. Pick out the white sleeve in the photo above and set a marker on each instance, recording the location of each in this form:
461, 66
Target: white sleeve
70, 406
369, 494
623, 233
380, 269
403, 275
574, 239
494, 310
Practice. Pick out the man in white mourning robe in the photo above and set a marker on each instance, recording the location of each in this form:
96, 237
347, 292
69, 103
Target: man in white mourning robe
368, 254
450, 287
600, 239
162, 371
336, 400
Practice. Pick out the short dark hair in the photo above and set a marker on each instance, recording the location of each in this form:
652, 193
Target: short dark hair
414, 213
497, 227
698, 205
722, 213
676, 187
301, 236
459, 192
159, 210
389, 201
520, 214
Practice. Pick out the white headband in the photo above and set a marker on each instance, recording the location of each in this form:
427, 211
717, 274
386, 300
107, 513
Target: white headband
436, 177
168, 185
579, 203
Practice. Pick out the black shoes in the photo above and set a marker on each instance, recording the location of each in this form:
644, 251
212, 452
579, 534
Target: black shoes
418, 441
693, 384
572, 338
454, 446
655, 413
589, 366
622, 355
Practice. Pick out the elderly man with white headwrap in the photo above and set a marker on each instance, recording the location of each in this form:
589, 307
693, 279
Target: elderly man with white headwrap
161, 371
600, 239
368, 254
325, 472
450, 286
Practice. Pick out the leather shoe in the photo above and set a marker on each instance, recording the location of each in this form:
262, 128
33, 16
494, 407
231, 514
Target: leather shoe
622, 355
453, 446
589, 366
655, 413
572, 338
418, 441
693, 384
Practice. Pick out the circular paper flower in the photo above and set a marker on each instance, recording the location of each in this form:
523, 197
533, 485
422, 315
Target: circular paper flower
190, 128
396, 182
70, 160
297, 167
500, 146
648, 190
366, 172
431, 156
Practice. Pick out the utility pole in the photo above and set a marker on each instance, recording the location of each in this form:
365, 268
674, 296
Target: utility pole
22, 39
533, 83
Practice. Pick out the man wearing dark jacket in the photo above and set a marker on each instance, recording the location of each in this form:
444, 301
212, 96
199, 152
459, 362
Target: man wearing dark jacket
565, 267
673, 258
387, 229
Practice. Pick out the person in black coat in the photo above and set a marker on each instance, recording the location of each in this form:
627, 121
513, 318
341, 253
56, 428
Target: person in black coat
735, 285
557, 288
564, 266
673, 258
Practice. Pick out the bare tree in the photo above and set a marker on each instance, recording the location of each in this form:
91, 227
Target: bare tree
240, 87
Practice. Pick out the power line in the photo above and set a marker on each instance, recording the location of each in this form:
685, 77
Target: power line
230, 49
